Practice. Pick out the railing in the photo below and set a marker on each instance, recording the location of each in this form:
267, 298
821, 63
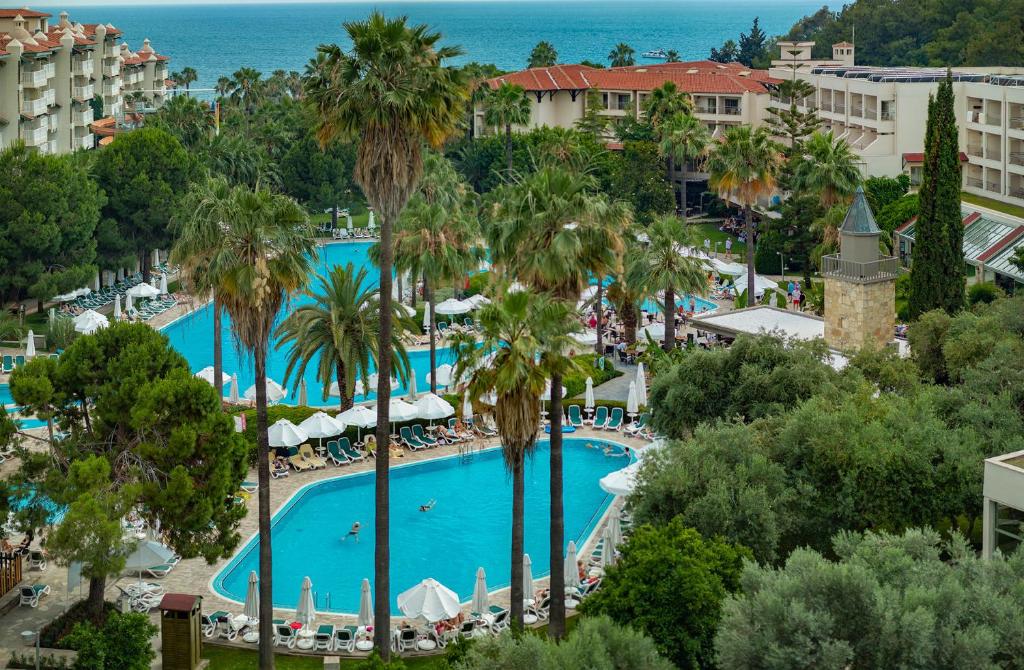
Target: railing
10, 572
50, 97
111, 87
36, 78
82, 92
826, 106
1016, 122
992, 186
707, 110
33, 107
732, 111
887, 115
82, 117
35, 136
112, 51
839, 108
856, 111
974, 182
974, 150
994, 154
81, 68
1017, 192
1017, 157
884, 268
111, 70
870, 113
85, 142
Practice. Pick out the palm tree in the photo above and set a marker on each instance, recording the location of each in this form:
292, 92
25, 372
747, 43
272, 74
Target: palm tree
552, 232
224, 86
665, 102
543, 55
828, 168
188, 75
504, 107
683, 138
516, 329
247, 87
199, 250
745, 167
622, 55
663, 266
394, 93
672, 56
628, 296
266, 256
132, 99
338, 333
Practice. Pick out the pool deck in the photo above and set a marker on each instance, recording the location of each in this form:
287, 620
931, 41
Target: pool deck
194, 576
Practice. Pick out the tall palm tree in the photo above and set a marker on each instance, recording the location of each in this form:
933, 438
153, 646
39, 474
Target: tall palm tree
266, 256
516, 328
198, 250
393, 92
745, 167
683, 138
504, 107
338, 332
224, 86
188, 76
552, 232
665, 102
672, 56
828, 168
247, 87
543, 55
663, 266
627, 296
622, 55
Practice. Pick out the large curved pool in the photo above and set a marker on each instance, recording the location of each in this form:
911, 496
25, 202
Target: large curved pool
192, 336
469, 526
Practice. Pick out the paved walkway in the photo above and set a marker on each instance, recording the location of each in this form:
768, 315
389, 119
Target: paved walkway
618, 388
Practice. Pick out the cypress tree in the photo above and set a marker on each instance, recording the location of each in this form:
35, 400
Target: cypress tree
937, 269
947, 197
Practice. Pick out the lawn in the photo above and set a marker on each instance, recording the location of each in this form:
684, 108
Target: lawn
1005, 208
710, 231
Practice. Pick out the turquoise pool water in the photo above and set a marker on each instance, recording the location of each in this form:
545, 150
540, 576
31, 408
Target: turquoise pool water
193, 337
7, 402
468, 528
701, 305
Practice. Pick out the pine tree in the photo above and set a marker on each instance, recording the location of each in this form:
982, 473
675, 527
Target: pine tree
790, 122
937, 269
752, 44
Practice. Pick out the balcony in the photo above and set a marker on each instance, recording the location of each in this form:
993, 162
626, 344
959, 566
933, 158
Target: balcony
1016, 158
883, 269
111, 70
992, 186
82, 92
111, 50
732, 111
111, 86
974, 150
707, 109
82, 67
887, 115
82, 117
84, 142
839, 108
51, 97
33, 107
35, 137
856, 110
974, 182
994, 154
34, 78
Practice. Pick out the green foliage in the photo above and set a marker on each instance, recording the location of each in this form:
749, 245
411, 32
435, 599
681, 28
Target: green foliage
639, 179
895, 214
543, 55
319, 178
883, 191
755, 377
622, 55
62, 332
752, 49
597, 643
926, 337
790, 122
143, 174
670, 583
575, 383
889, 601
375, 662
983, 292
185, 117
123, 643
48, 220
904, 33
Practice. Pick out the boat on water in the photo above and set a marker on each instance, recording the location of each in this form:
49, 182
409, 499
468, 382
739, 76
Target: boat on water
655, 53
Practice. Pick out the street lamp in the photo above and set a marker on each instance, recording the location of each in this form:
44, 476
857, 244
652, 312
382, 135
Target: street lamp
782, 264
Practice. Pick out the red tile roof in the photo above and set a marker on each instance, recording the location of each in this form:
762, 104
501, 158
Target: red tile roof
90, 29
918, 157
906, 224
25, 13
692, 77
39, 46
1010, 237
56, 33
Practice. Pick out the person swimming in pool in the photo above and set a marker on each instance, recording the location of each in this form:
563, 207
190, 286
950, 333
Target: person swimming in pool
353, 532
429, 506
609, 450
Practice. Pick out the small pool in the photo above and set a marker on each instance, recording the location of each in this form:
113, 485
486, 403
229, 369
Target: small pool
7, 401
192, 336
701, 305
468, 528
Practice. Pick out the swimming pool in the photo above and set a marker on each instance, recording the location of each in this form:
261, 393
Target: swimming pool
701, 305
7, 401
192, 336
468, 528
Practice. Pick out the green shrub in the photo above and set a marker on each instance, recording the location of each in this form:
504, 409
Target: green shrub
121, 644
984, 292
52, 635
477, 284
576, 383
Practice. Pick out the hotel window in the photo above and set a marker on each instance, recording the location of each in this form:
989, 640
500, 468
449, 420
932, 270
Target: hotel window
731, 106
916, 174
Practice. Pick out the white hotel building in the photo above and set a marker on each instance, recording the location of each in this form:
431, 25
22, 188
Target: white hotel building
51, 74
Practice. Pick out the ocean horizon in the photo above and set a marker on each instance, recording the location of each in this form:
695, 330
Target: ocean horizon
217, 39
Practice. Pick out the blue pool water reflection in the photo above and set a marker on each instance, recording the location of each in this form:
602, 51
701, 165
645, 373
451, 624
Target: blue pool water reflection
467, 528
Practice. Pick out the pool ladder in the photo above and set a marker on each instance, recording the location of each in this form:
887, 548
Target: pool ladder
466, 452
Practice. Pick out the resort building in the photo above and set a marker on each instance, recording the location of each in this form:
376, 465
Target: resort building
1003, 508
990, 240
882, 113
57, 79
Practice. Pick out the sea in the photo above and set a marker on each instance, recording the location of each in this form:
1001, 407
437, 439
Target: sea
218, 39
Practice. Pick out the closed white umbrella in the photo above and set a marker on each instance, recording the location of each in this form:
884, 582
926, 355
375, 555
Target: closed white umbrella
443, 373
163, 284
96, 282
305, 613
275, 392
365, 617
284, 433
303, 394
467, 407
128, 306
348, 222
432, 406
233, 391
252, 600
30, 345
143, 290
206, 374
615, 528
399, 411
481, 599
90, 321
607, 550
371, 223
588, 396
572, 572
631, 405
527, 577
430, 600
453, 306
411, 392
641, 384
426, 319
321, 425
117, 307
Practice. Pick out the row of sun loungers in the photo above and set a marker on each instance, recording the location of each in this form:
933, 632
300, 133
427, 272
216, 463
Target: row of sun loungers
354, 233
16, 361
613, 421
